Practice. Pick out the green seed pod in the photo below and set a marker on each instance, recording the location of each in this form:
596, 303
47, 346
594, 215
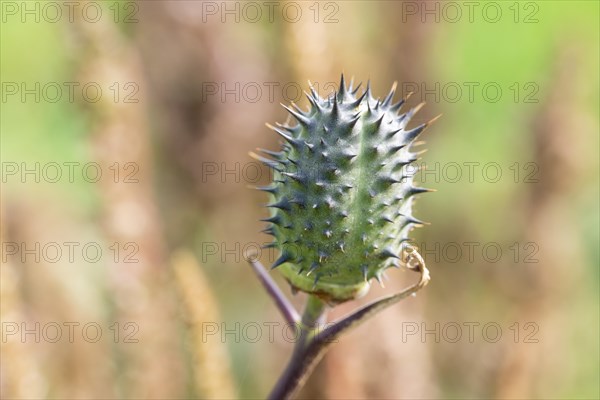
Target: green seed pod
342, 192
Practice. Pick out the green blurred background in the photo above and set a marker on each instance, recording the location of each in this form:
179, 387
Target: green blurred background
177, 307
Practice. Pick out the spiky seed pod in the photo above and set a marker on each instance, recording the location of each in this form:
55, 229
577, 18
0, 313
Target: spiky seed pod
342, 192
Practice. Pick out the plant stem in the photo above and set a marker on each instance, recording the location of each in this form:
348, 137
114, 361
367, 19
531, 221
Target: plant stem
306, 352
313, 342
285, 307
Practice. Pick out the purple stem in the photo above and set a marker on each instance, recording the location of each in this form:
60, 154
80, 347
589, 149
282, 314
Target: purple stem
287, 309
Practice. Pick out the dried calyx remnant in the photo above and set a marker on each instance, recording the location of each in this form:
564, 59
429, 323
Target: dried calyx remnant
342, 191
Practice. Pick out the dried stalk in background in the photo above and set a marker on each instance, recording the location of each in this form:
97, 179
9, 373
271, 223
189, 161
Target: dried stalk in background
211, 369
129, 217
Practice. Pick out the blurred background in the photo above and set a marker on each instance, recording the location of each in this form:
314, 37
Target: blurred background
126, 211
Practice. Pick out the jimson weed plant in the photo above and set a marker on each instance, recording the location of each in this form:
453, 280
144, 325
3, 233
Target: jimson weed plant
340, 213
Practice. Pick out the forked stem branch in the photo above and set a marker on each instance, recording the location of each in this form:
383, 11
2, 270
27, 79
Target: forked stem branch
313, 339
286, 308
